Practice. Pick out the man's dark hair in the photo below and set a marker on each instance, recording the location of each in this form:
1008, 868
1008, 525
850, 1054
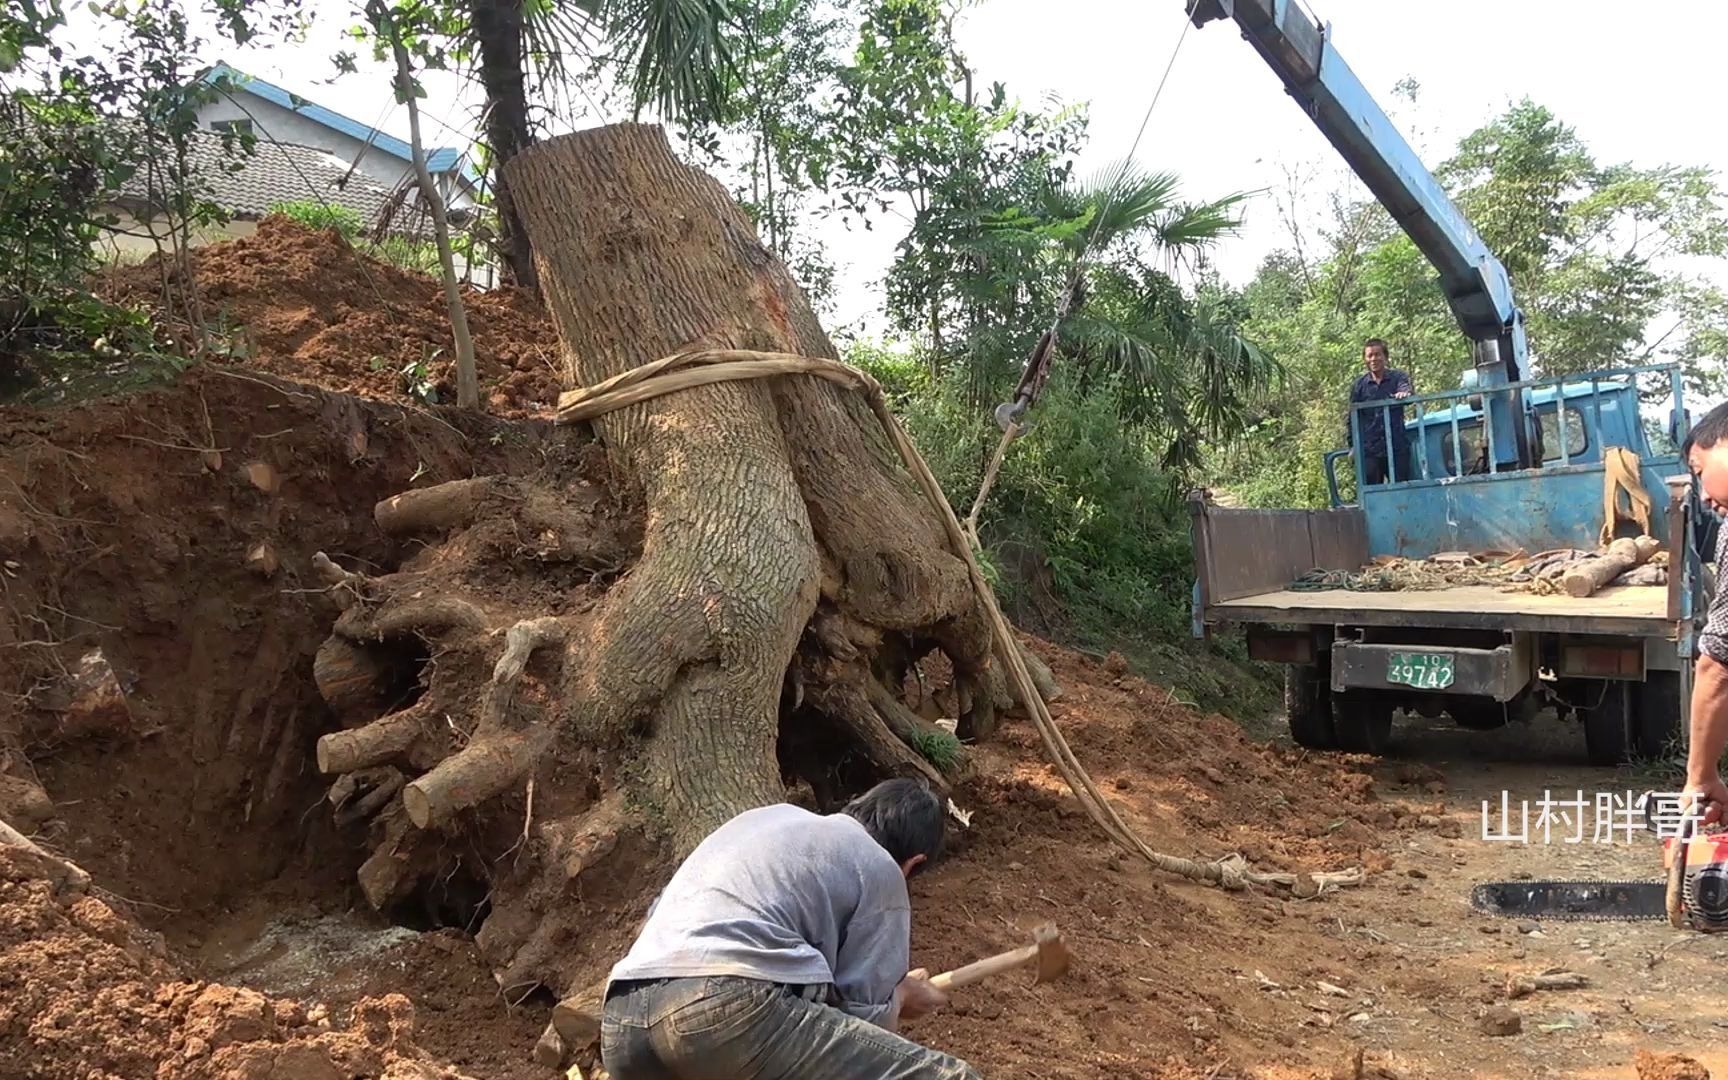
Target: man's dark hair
904, 816
1380, 342
1706, 433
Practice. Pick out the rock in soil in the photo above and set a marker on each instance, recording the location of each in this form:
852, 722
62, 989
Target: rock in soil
1501, 1020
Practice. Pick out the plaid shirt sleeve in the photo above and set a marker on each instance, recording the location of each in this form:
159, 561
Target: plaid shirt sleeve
1714, 641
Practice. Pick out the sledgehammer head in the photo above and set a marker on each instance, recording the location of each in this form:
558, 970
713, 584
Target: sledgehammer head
1047, 956
1053, 957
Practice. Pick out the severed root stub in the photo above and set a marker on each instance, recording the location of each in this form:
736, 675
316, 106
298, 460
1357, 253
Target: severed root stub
694, 602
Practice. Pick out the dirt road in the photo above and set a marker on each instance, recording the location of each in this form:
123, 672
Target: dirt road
1650, 987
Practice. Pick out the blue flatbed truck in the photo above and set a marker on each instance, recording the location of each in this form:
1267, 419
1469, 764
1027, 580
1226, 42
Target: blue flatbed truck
1504, 462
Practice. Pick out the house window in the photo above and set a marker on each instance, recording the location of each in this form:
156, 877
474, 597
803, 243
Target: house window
234, 127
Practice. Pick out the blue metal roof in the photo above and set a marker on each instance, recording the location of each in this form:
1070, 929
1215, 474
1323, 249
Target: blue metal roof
442, 160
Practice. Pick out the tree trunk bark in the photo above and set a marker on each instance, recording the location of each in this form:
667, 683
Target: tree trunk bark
764, 498
498, 31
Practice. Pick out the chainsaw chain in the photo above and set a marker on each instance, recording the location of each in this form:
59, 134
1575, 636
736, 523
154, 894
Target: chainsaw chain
1568, 916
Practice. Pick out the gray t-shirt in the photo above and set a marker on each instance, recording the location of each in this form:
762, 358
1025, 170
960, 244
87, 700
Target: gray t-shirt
786, 896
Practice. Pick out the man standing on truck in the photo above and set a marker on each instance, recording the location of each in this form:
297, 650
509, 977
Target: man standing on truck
1380, 383
1706, 454
778, 951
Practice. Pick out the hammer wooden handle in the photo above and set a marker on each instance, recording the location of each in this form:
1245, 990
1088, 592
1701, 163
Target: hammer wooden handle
983, 969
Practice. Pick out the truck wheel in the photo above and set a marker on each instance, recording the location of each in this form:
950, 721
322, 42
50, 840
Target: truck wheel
1363, 724
1478, 715
1307, 702
1658, 713
1609, 726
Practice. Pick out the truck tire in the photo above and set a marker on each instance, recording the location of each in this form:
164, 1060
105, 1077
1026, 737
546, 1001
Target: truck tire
1363, 723
1308, 705
1609, 726
1657, 717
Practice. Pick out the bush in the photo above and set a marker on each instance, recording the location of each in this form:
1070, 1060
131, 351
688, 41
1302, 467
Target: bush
1078, 487
317, 215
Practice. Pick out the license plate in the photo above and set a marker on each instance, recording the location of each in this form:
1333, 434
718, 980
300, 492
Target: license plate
1424, 671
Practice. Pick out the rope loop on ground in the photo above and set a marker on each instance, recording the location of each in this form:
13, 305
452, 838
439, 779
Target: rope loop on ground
706, 367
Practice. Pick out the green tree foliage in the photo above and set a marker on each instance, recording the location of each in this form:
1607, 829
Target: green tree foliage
83, 118
1598, 256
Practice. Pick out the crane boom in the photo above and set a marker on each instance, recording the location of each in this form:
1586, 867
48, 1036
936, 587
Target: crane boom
1475, 283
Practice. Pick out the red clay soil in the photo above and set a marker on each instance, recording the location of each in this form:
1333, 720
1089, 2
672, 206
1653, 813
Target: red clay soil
1669, 1067
126, 525
302, 303
1163, 978
88, 995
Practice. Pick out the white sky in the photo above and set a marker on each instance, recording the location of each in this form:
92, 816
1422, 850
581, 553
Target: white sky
1636, 88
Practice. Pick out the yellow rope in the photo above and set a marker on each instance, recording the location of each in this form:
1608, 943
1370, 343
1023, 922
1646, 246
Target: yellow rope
1621, 473
705, 367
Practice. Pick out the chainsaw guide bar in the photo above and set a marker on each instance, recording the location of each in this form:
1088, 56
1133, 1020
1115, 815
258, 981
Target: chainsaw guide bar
1573, 901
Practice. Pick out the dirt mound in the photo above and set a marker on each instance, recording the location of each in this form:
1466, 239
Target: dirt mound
1669, 1067
127, 527
302, 303
85, 993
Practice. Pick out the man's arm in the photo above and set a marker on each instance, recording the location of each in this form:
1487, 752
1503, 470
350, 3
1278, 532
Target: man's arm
872, 960
1403, 387
1709, 734
1709, 727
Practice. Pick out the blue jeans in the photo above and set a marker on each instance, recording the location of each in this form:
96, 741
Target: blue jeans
717, 1028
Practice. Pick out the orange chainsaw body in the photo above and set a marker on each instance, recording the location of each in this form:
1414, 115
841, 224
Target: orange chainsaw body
1697, 872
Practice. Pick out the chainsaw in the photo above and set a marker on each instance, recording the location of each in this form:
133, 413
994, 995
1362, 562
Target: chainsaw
1692, 896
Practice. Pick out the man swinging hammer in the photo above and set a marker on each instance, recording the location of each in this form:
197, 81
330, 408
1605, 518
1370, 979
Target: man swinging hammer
779, 950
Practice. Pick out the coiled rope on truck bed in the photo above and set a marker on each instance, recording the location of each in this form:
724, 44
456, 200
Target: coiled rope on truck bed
705, 367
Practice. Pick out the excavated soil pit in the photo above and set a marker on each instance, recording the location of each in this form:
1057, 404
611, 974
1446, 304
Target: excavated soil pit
126, 528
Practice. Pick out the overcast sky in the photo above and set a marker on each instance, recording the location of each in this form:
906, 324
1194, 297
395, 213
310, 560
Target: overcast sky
1637, 88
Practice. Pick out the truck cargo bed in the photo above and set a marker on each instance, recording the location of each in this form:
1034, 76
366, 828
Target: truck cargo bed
1624, 609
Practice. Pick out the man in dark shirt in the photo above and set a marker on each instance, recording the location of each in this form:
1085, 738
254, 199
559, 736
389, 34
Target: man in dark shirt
1380, 383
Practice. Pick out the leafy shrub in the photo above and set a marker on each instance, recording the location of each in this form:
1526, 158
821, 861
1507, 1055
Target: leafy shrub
317, 215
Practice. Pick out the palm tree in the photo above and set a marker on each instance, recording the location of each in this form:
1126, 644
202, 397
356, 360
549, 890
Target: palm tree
676, 56
1181, 368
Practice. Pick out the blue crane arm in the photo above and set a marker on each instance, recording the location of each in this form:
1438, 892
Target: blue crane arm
1475, 283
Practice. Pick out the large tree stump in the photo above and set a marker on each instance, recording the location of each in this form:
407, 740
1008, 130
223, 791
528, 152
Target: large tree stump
632, 646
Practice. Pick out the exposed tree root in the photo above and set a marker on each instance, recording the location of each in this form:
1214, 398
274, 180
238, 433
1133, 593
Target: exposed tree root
63, 874
382, 740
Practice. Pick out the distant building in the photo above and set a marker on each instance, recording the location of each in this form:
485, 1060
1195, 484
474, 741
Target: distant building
302, 153
246, 187
274, 114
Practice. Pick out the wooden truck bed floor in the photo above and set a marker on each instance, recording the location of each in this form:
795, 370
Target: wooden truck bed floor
1623, 609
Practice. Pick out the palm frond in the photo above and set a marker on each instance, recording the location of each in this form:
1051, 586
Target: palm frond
1197, 225
678, 53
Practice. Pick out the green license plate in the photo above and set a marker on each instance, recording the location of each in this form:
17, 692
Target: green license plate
1424, 671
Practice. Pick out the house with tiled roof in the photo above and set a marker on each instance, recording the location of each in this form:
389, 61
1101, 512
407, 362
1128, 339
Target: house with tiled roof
273, 114
302, 153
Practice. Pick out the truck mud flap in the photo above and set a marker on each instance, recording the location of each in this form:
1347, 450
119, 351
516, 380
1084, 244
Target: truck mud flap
1499, 673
